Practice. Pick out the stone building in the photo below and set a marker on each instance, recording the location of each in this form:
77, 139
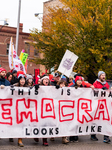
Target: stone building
6, 32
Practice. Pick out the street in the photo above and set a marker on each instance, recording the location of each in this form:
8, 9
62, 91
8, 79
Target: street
84, 144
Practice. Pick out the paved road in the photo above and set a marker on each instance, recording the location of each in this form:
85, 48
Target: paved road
84, 144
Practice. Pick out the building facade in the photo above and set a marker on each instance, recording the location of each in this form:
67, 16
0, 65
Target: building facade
50, 3
6, 33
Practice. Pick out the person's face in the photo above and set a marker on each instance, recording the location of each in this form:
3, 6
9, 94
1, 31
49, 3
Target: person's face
30, 80
102, 77
22, 82
79, 82
57, 78
46, 81
3, 74
10, 78
62, 85
70, 80
15, 74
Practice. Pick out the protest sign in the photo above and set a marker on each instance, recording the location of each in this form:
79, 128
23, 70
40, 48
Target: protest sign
24, 58
67, 63
51, 112
14, 61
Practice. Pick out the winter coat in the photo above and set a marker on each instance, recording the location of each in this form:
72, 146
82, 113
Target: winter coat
53, 83
14, 80
99, 85
4, 82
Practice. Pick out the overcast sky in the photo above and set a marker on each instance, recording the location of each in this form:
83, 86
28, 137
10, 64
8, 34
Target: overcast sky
9, 11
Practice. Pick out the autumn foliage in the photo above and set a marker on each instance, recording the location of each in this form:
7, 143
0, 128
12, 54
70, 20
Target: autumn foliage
85, 28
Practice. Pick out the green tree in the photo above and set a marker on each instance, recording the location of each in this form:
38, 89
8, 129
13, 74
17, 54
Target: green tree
85, 28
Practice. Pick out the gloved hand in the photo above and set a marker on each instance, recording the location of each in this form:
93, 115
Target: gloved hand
104, 88
57, 86
11, 86
76, 87
31, 87
36, 86
2, 86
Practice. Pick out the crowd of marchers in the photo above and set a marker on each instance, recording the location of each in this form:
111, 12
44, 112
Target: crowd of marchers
20, 79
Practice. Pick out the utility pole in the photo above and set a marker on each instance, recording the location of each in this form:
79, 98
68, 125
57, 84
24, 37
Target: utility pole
17, 33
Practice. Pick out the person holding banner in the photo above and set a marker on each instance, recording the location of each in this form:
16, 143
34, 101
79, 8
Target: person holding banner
78, 83
61, 84
45, 82
3, 81
29, 80
21, 83
101, 83
84, 84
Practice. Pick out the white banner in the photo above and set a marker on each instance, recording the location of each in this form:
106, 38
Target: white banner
50, 112
67, 63
14, 61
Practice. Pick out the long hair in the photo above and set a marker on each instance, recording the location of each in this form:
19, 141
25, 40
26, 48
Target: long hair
31, 83
8, 74
25, 85
62, 81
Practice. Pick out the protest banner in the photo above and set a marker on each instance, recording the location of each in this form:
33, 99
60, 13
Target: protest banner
14, 61
51, 112
67, 63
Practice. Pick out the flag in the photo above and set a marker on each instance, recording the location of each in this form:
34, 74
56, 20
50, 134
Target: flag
14, 61
67, 63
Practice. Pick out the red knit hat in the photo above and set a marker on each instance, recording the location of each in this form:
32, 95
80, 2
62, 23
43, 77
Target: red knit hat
78, 78
20, 72
2, 69
50, 77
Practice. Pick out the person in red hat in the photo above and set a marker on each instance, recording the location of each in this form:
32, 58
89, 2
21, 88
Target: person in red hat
20, 72
78, 83
3, 81
84, 84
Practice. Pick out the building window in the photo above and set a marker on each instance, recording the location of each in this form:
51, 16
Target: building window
36, 53
7, 49
27, 48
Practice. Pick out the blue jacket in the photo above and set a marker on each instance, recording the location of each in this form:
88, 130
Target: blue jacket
4, 82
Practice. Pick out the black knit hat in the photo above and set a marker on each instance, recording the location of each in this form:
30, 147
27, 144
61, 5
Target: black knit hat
78, 74
14, 71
